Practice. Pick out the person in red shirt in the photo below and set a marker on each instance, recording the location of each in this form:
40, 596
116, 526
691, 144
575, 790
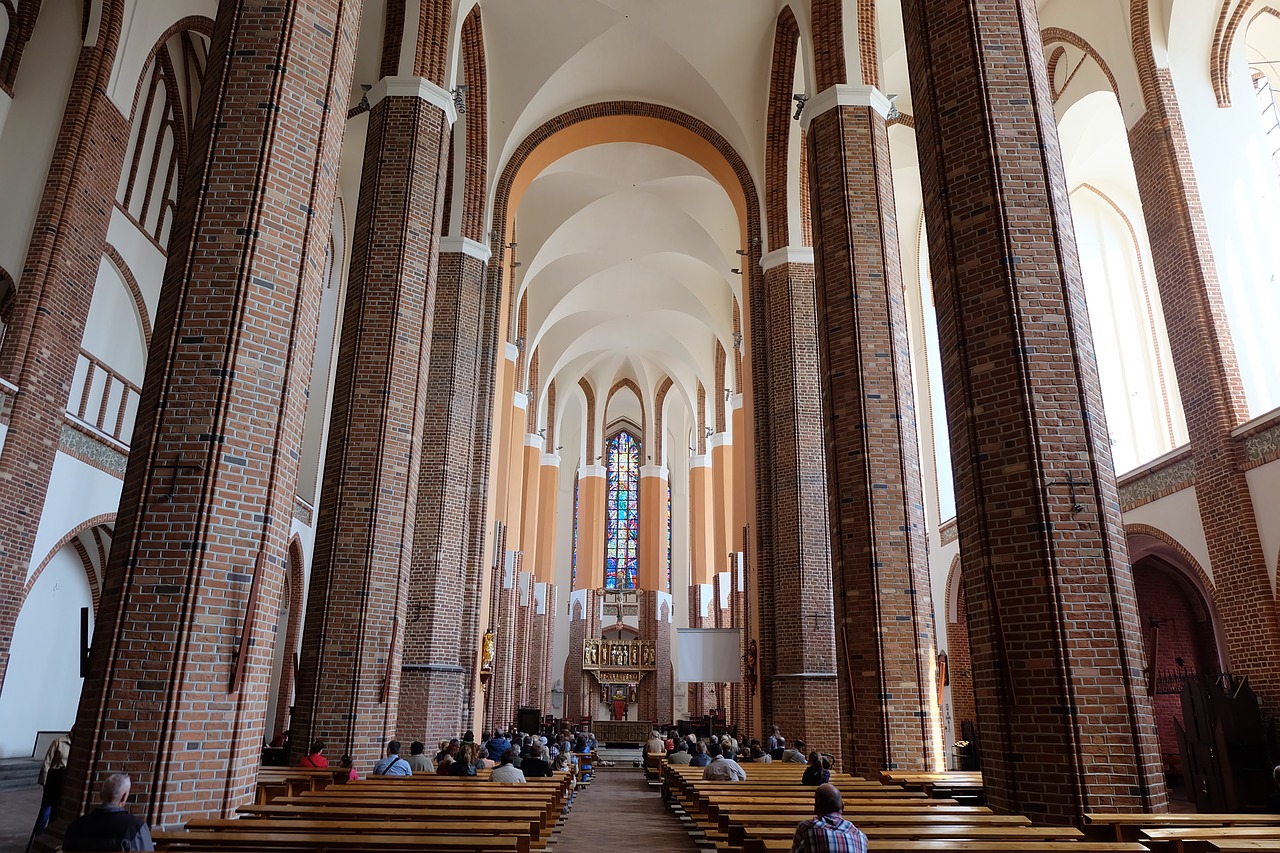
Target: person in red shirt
315, 758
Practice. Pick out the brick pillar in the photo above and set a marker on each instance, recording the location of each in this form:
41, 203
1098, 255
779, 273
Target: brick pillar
879, 564
524, 668
738, 619
1213, 396
655, 696
581, 689
184, 643
960, 669
1066, 724
541, 646
439, 641
803, 695
348, 689
502, 701
53, 294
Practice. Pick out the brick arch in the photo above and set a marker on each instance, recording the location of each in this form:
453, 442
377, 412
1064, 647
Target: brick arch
631, 385
951, 600
1143, 50
1185, 561
95, 588
192, 23
295, 585
1230, 18
477, 79
786, 48
722, 423
659, 398
131, 282
589, 394
959, 658
1059, 36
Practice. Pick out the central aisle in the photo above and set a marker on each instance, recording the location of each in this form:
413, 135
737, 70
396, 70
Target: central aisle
620, 813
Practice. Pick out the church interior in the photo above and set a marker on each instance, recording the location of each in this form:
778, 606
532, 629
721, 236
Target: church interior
402, 368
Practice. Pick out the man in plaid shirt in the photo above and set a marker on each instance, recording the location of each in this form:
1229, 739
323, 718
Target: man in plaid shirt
828, 832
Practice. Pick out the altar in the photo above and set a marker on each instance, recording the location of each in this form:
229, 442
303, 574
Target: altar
619, 667
632, 732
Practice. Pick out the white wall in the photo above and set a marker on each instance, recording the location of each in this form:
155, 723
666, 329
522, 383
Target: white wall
42, 687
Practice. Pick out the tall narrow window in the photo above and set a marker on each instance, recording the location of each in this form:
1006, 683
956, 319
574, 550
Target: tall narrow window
622, 534
573, 577
669, 551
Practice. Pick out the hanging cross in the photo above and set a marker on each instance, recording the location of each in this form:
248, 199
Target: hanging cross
816, 616
1071, 482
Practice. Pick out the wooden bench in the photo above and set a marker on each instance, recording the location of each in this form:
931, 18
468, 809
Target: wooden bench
1126, 827
248, 839
1189, 839
895, 845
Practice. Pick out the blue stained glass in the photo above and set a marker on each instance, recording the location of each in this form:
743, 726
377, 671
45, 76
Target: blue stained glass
573, 577
622, 526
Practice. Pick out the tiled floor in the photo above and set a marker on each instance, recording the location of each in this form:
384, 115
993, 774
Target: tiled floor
620, 813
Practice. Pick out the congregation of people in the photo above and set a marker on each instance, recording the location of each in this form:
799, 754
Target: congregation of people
722, 757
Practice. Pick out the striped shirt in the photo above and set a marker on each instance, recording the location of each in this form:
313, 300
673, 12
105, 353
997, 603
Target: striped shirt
828, 834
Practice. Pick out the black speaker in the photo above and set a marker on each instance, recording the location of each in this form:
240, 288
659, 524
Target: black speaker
529, 720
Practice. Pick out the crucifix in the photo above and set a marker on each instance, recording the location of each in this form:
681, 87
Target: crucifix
1072, 483
818, 614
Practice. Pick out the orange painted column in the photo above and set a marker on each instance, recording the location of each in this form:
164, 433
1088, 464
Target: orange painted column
591, 495
513, 509
721, 446
738, 495
548, 513
700, 535
653, 528
531, 501
502, 412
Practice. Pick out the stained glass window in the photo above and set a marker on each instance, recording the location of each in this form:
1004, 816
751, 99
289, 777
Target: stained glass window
669, 549
622, 531
573, 577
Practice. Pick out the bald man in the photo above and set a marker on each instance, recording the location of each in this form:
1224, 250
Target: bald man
827, 831
109, 826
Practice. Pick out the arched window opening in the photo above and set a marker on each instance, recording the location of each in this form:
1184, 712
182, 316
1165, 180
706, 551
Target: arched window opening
1270, 116
573, 576
669, 548
622, 532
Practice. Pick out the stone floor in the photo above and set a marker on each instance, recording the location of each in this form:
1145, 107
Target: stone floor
17, 816
620, 813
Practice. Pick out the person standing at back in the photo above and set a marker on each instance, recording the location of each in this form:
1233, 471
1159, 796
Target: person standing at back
827, 831
393, 764
109, 826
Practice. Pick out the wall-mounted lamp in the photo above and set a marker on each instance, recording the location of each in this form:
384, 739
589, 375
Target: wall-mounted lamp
800, 102
460, 99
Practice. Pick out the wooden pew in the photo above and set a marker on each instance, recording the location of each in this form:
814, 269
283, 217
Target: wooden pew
1104, 826
214, 841
894, 845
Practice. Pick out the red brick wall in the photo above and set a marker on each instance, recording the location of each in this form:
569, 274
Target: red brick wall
226, 383
1067, 725
879, 561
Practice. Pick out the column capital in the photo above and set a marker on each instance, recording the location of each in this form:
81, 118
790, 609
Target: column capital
591, 471
719, 439
532, 439
700, 460
520, 400
512, 352
465, 246
413, 87
653, 471
551, 460
787, 255
845, 96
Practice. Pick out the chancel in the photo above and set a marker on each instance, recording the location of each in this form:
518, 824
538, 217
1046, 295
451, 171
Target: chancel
608, 400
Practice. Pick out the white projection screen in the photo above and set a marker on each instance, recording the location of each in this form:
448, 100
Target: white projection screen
709, 654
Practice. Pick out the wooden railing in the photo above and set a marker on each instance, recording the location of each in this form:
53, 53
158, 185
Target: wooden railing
103, 398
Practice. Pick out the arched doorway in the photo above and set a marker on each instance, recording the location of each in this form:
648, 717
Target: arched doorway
1179, 632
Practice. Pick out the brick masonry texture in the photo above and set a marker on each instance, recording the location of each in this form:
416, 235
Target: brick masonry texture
352, 646
802, 644
1066, 725
436, 672
52, 306
199, 556
879, 563
1209, 383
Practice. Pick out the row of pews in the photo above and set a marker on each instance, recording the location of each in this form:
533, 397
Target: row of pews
919, 812
318, 810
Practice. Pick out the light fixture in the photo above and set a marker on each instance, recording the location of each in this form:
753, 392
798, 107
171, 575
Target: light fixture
800, 102
520, 344
460, 99
737, 340
364, 98
736, 271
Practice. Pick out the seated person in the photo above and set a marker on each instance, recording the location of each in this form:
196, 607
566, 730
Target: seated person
315, 759
678, 754
467, 762
507, 773
815, 773
656, 743
796, 754
722, 767
109, 826
759, 756
419, 762
536, 766
348, 764
393, 764
700, 758
827, 831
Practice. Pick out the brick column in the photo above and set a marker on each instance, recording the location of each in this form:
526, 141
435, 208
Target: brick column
656, 700
348, 686
439, 639
879, 563
502, 700
580, 689
1213, 397
803, 694
53, 294
183, 645
701, 694
1066, 724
